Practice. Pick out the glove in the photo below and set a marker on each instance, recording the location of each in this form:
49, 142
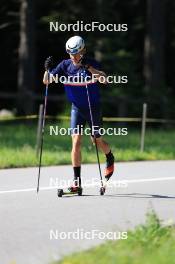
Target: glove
48, 64
84, 63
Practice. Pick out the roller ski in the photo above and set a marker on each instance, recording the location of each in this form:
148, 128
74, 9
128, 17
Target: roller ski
74, 189
70, 191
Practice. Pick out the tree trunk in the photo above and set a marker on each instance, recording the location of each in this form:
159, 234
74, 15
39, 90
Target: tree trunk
26, 66
154, 72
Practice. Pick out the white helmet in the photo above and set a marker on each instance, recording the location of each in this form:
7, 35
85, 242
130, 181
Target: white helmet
74, 45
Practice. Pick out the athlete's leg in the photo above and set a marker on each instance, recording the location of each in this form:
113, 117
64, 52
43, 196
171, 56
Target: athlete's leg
97, 122
76, 150
76, 158
103, 145
77, 122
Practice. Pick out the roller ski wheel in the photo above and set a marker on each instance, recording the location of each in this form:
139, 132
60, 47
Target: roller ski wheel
102, 190
60, 192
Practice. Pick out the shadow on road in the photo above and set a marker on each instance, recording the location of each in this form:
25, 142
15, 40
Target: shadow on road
141, 195
128, 195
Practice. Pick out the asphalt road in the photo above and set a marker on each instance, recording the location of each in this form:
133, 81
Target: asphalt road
30, 224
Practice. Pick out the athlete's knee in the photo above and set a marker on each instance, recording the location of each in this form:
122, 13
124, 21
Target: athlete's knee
98, 139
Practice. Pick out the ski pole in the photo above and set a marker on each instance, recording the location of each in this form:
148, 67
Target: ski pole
42, 134
95, 140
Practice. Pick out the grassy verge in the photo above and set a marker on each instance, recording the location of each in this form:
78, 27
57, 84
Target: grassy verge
147, 244
17, 146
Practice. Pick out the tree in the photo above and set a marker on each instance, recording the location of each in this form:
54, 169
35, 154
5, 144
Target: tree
154, 68
26, 51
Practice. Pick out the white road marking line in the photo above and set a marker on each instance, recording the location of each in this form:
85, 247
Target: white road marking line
150, 180
120, 181
28, 190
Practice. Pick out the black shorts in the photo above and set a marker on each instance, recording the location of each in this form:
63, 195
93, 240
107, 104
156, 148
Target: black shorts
79, 118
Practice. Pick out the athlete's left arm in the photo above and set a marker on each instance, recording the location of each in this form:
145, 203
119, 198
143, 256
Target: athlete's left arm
98, 74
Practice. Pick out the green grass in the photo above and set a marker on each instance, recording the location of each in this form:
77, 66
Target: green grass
17, 146
147, 244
